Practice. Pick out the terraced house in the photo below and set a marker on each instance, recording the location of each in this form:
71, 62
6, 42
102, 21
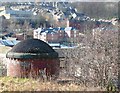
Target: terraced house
16, 14
57, 35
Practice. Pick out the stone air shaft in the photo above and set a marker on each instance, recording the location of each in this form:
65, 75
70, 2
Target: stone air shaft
29, 57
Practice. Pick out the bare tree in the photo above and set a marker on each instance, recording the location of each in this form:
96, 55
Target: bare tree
95, 61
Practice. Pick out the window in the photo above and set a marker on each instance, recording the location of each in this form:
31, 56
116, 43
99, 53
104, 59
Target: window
74, 35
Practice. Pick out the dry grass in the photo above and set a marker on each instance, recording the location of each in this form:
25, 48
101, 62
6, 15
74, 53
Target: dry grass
18, 84
4, 49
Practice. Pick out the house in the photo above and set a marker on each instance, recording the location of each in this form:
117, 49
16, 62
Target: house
49, 35
57, 35
17, 14
36, 33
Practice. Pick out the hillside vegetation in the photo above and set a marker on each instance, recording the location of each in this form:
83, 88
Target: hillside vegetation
20, 84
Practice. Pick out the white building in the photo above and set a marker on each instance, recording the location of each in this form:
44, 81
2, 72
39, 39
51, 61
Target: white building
36, 33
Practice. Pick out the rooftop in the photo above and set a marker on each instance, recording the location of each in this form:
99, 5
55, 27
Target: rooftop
32, 48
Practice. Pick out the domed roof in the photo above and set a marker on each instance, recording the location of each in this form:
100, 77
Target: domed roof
32, 48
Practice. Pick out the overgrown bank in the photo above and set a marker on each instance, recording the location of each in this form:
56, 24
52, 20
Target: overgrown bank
18, 84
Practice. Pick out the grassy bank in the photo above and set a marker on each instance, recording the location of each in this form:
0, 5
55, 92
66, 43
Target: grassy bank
18, 84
